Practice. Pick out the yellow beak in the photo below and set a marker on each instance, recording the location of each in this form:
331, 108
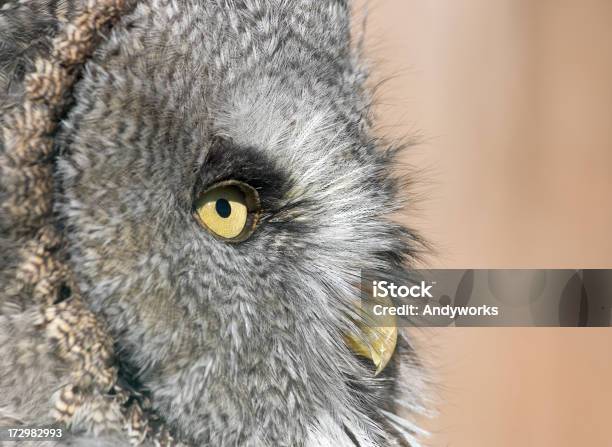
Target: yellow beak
377, 336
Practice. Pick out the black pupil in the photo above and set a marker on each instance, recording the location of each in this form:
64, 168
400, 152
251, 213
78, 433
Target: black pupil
223, 207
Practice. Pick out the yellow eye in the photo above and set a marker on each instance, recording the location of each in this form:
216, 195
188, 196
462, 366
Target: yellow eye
229, 210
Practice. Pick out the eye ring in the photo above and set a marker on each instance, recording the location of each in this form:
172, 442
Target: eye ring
229, 210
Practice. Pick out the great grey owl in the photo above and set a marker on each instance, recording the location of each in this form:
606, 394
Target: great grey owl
219, 189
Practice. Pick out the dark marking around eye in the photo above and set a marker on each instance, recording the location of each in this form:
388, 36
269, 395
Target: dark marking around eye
223, 207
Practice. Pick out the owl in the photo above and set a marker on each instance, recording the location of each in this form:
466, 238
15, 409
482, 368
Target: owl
219, 188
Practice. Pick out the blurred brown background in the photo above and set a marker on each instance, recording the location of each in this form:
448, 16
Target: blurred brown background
513, 101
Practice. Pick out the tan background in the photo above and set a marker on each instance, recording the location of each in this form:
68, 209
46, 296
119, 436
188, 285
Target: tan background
513, 101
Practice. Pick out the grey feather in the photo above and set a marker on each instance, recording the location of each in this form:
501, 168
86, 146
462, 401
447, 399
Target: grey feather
236, 344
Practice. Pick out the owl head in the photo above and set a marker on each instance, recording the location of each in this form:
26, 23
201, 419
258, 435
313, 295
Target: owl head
222, 191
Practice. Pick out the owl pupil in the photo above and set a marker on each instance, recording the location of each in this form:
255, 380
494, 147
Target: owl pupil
223, 207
